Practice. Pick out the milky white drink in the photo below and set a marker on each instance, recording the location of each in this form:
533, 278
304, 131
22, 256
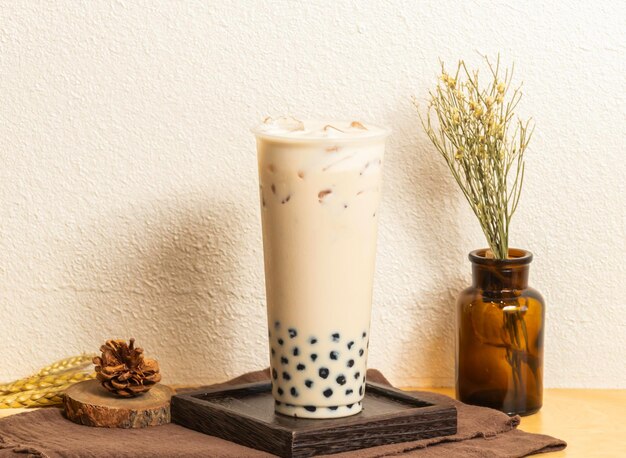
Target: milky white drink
320, 189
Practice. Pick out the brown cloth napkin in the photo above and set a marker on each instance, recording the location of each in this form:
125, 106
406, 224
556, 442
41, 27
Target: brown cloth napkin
46, 433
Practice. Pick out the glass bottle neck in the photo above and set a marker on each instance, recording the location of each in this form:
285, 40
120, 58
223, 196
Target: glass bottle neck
504, 277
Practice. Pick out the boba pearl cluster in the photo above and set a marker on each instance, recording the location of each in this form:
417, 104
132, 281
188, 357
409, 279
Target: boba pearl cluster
330, 367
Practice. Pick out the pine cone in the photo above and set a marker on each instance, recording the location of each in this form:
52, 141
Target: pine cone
123, 370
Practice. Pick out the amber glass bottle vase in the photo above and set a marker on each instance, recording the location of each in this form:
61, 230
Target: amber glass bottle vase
500, 321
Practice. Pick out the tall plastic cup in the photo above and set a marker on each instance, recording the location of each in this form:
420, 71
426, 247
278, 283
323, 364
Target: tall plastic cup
320, 190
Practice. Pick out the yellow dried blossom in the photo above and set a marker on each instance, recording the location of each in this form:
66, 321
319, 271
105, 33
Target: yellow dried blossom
501, 87
450, 82
478, 112
495, 130
499, 98
456, 118
489, 101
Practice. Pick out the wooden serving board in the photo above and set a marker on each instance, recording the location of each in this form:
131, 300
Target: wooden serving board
245, 414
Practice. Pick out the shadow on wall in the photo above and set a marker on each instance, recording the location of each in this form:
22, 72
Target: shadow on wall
171, 279
436, 227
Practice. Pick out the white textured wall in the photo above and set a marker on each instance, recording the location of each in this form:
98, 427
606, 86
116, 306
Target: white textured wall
128, 188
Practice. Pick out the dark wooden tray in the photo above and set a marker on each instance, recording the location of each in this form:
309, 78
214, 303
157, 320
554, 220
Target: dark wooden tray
245, 414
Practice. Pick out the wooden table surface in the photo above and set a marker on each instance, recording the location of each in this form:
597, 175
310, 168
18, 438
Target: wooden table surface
590, 421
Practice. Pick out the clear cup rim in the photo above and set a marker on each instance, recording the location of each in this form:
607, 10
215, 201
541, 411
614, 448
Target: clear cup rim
381, 132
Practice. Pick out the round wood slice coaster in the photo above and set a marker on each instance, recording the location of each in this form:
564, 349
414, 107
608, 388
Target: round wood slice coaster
88, 403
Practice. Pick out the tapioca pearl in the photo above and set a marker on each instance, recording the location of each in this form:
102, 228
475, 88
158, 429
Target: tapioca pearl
361, 351
328, 392
313, 357
295, 351
361, 390
294, 392
274, 374
280, 391
350, 344
364, 335
350, 363
349, 406
284, 360
357, 375
300, 367
273, 351
323, 372
310, 408
349, 391
333, 407
280, 341
292, 333
286, 376
308, 383
277, 403
341, 379
335, 337
334, 355
276, 324
312, 340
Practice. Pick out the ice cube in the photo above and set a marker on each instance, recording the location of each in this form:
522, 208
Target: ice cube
357, 125
330, 128
322, 194
328, 131
284, 123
